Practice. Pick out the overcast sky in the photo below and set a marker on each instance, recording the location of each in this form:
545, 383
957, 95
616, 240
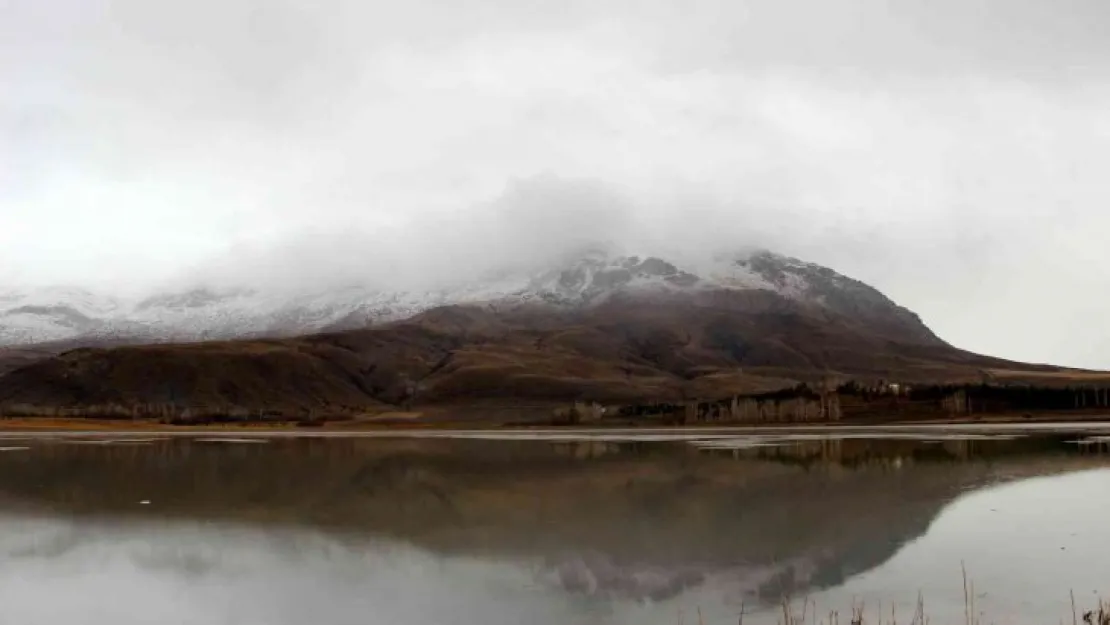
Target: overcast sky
953, 153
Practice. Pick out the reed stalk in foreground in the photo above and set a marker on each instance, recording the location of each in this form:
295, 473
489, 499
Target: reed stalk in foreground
807, 615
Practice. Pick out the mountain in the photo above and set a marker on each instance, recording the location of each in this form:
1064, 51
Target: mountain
612, 329
590, 279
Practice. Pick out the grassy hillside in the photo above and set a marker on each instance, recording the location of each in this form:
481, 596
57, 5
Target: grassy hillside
623, 351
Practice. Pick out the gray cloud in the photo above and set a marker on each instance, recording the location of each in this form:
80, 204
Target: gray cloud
950, 152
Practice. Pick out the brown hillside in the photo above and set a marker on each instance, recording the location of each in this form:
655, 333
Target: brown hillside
12, 358
625, 350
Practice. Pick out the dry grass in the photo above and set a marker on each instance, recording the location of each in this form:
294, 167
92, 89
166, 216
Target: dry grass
806, 613
860, 614
1061, 374
82, 424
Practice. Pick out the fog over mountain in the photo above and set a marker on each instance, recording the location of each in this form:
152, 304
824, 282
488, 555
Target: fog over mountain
949, 153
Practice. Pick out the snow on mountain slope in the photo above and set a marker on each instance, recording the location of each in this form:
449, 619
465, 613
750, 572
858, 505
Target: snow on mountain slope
32, 316
58, 314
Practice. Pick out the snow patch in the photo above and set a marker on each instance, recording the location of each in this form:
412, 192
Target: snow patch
54, 314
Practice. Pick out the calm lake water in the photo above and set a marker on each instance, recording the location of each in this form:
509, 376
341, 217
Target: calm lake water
486, 529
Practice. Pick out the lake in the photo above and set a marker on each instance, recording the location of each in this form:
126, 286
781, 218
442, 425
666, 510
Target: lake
566, 528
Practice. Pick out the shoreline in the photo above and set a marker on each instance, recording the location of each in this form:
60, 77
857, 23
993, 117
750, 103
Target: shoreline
1000, 422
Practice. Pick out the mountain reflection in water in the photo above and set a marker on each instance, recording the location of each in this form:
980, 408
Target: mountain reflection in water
472, 531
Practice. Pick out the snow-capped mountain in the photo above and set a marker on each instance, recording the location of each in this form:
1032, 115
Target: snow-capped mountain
67, 314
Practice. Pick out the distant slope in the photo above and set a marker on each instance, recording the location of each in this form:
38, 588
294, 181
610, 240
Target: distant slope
598, 327
580, 281
12, 358
631, 348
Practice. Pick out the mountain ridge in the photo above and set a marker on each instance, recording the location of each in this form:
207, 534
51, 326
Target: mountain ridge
618, 330
56, 314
